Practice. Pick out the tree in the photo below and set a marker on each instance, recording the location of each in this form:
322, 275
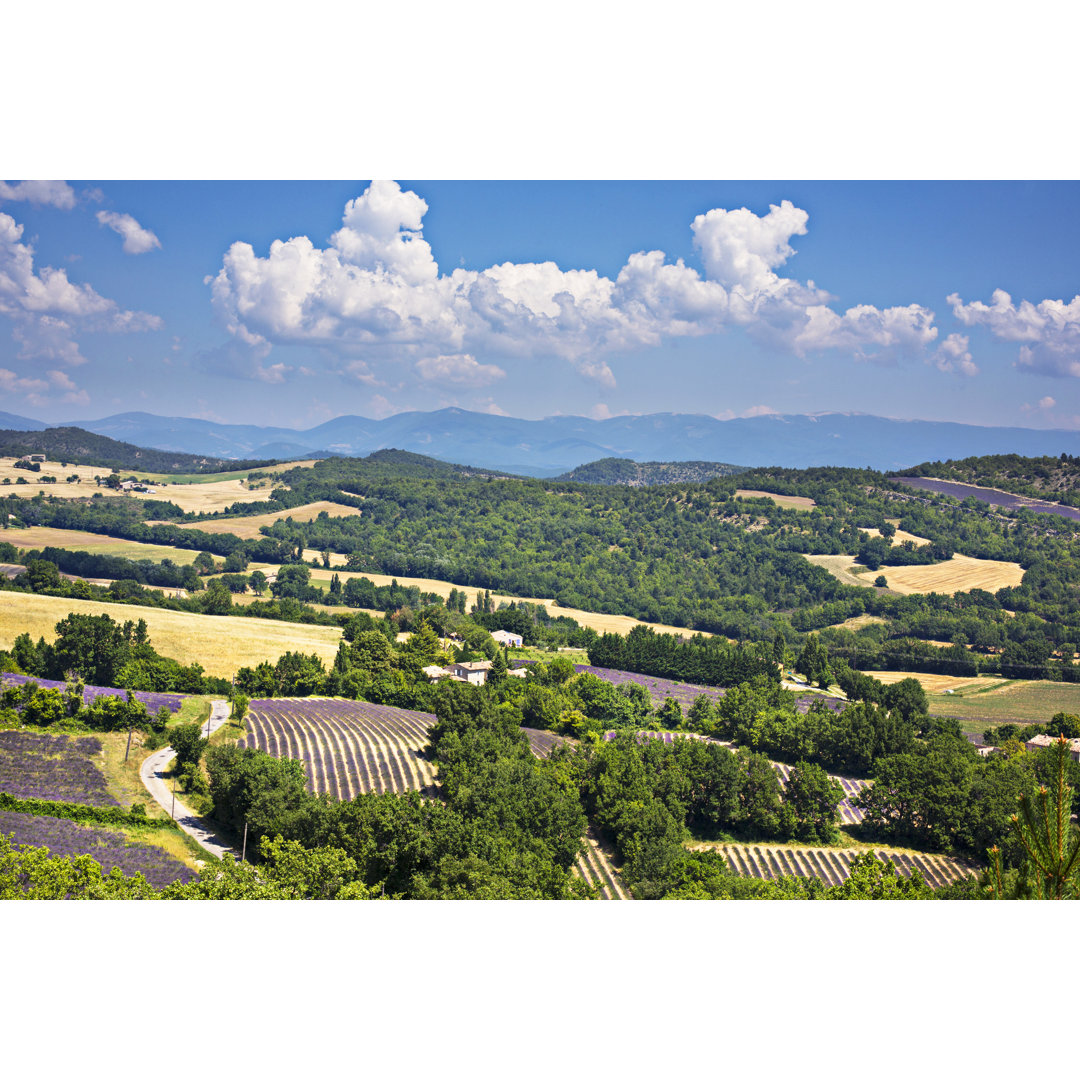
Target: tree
204, 562
810, 799
813, 663
1050, 841
257, 582
93, 646
42, 575
217, 600
188, 742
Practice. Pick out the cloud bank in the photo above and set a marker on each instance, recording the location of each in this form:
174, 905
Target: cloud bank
1049, 330
377, 290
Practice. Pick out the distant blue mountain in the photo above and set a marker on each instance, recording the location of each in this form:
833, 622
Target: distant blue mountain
11, 422
559, 443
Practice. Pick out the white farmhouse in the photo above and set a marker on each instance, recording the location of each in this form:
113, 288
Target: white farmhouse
504, 637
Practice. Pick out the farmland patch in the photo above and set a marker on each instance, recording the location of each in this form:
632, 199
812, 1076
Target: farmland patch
57, 768
347, 748
791, 502
247, 528
831, 865
220, 643
958, 574
39, 537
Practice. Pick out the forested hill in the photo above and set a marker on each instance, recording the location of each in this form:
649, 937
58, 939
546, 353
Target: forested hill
1056, 479
405, 463
72, 444
612, 470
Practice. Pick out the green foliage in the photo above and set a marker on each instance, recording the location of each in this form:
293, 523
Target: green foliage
188, 742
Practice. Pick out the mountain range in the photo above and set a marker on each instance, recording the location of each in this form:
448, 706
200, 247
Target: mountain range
558, 443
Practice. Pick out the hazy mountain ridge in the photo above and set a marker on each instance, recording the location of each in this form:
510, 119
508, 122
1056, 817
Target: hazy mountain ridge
649, 473
554, 445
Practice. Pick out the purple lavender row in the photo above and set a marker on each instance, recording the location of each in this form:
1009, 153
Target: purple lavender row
111, 849
153, 701
37, 766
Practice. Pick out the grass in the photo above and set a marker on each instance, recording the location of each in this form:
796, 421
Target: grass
936, 684
575, 656
958, 574
1009, 701
42, 536
247, 528
791, 502
220, 643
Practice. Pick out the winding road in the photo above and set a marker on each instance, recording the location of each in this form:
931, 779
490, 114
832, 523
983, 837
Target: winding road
152, 774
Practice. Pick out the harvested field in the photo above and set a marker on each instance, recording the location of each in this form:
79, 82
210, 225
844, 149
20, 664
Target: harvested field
347, 748
899, 537
791, 502
247, 528
958, 574
616, 624
43, 536
1017, 701
831, 865
596, 867
937, 684
845, 569
221, 643
857, 622
204, 498
218, 477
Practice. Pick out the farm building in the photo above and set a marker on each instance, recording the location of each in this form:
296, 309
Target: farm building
504, 637
1040, 742
475, 671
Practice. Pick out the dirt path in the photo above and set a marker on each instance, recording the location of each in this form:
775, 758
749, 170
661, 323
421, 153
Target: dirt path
152, 775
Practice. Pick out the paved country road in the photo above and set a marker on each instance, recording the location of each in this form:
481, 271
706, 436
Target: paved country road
152, 775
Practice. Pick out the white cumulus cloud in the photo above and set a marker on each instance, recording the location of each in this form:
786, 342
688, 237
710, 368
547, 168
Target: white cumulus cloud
1049, 332
377, 288
952, 355
137, 240
49, 310
56, 193
459, 368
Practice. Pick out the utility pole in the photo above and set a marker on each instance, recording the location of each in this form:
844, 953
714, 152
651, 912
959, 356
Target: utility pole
128, 750
243, 850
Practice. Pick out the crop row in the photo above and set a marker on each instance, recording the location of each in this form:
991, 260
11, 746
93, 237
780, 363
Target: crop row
833, 866
54, 767
595, 866
541, 743
347, 748
152, 701
110, 849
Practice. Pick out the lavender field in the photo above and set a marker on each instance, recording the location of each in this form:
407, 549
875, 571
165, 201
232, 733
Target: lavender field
55, 767
347, 748
151, 700
990, 496
686, 693
111, 849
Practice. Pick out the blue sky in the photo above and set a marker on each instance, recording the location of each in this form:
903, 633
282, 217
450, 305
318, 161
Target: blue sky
293, 302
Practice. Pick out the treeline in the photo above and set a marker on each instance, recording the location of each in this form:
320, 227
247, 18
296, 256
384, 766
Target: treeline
64, 710
707, 661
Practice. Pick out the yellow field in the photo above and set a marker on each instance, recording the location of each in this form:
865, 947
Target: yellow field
844, 568
792, 502
42, 536
221, 643
899, 537
236, 474
856, 622
616, 624
247, 528
938, 684
958, 574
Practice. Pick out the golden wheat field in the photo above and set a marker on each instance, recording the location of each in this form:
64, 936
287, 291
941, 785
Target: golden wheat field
42, 536
791, 502
958, 574
221, 643
938, 684
899, 537
247, 528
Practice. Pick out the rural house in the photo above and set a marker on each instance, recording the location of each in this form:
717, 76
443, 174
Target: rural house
504, 637
474, 671
1040, 742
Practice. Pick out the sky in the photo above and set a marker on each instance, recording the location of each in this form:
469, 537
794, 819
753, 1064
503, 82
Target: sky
290, 303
